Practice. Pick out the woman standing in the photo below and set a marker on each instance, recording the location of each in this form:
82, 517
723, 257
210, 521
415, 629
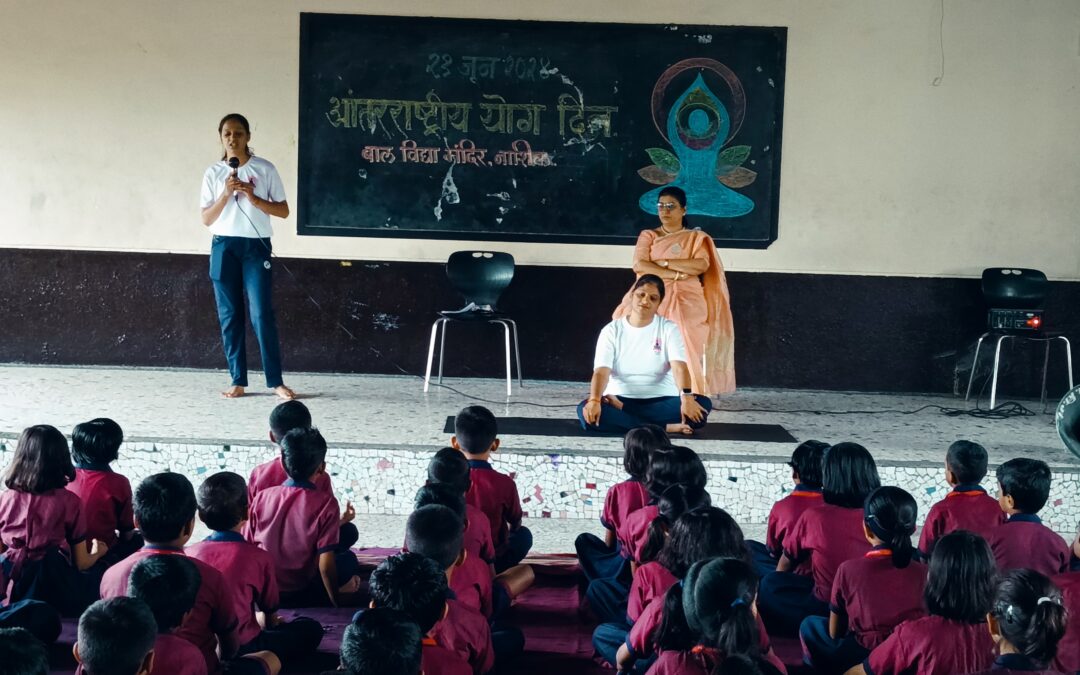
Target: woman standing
239, 194
696, 295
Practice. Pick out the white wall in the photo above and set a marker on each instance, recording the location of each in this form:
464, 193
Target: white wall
108, 114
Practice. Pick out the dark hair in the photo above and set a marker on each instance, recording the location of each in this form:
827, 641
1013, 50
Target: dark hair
235, 117
22, 653
962, 577
650, 279
436, 532
442, 495
382, 640
676, 193
890, 513
303, 451
967, 461
676, 500
638, 445
806, 461
41, 462
674, 634
164, 504
288, 416
703, 533
674, 465
96, 442
743, 664
223, 501
1030, 614
413, 584
115, 635
848, 475
168, 584
450, 467
718, 598
475, 429
1027, 481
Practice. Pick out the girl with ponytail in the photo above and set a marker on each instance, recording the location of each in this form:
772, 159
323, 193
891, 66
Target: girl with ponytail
1026, 622
861, 615
674, 465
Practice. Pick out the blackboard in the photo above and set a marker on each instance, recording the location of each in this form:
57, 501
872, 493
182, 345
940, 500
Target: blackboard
536, 131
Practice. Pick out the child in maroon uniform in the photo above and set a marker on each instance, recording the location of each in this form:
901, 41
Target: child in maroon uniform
806, 474
43, 528
105, 494
861, 616
1023, 541
967, 506
168, 584
416, 586
828, 535
953, 638
1027, 622
298, 525
475, 434
384, 641
606, 559
249, 571
116, 636
1068, 655
450, 469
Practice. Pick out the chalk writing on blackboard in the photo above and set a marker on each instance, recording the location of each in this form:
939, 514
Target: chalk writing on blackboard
473, 68
462, 152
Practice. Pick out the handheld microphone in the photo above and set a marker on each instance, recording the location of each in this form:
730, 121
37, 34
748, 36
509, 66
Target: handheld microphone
234, 164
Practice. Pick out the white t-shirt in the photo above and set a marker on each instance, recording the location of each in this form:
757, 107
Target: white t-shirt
232, 221
640, 358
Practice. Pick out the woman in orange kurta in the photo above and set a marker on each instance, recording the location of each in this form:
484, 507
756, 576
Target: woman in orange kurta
696, 295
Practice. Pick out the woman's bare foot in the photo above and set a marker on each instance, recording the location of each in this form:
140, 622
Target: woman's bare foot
613, 401
233, 392
680, 428
284, 392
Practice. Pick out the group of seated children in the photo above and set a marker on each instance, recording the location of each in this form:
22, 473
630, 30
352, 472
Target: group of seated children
676, 588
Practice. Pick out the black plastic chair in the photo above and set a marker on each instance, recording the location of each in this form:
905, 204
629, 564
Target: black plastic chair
480, 277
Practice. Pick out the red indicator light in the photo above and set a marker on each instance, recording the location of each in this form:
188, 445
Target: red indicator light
1034, 322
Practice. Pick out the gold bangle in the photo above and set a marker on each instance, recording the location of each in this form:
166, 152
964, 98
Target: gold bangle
593, 400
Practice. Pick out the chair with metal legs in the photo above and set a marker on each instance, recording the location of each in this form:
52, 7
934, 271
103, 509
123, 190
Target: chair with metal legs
1000, 338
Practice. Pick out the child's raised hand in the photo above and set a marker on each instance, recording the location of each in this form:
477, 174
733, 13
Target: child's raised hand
348, 514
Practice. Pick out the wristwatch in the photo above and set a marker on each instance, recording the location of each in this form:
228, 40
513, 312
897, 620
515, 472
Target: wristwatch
687, 392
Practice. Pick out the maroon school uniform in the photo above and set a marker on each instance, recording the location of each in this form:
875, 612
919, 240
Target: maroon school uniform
176, 656
296, 523
623, 499
438, 660
250, 574
785, 513
31, 525
466, 632
829, 535
106, 500
496, 495
635, 531
1017, 663
652, 580
697, 662
477, 539
871, 613
1068, 656
210, 619
933, 645
967, 507
272, 474
471, 583
1023, 541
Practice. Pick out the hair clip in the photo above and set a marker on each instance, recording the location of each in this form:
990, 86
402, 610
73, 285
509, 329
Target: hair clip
1046, 599
737, 601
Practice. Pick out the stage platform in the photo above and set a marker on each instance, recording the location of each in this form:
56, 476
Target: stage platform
381, 431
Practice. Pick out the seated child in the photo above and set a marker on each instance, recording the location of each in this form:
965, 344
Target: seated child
164, 506
298, 525
22, 653
953, 637
223, 507
436, 532
105, 494
861, 615
450, 468
472, 583
381, 642
605, 559
806, 474
116, 637
1068, 655
1027, 622
967, 506
1023, 541
416, 586
43, 527
494, 493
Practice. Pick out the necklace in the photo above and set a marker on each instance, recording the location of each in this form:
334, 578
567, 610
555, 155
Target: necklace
666, 231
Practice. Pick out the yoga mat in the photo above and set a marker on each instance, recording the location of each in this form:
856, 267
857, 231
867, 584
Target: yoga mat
713, 431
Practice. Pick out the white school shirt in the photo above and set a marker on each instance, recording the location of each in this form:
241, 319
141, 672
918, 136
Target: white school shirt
232, 221
640, 358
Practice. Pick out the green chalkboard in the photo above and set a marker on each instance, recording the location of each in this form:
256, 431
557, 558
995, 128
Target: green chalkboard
536, 131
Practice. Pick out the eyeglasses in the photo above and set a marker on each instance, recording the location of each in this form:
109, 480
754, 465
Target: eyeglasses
667, 206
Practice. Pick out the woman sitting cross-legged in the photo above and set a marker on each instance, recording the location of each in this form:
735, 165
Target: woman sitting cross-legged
639, 370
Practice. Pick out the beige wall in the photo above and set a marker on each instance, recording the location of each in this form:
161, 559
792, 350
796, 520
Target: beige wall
108, 111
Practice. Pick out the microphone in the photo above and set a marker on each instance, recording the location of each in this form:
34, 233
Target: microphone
234, 164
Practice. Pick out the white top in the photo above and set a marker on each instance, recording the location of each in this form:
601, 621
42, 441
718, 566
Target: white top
232, 222
640, 358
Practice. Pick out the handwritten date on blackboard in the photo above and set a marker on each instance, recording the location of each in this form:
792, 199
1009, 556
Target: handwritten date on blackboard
473, 68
